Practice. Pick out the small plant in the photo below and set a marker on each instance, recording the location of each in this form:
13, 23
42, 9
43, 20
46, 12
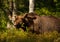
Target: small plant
14, 35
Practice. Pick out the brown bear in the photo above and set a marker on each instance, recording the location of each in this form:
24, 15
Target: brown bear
18, 22
39, 24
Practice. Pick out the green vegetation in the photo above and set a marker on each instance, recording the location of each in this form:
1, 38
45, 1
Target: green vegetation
42, 7
14, 35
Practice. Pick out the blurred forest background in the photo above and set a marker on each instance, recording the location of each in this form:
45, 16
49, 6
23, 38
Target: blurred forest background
42, 7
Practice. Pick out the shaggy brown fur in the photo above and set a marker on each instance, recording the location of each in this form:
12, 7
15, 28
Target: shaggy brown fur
39, 24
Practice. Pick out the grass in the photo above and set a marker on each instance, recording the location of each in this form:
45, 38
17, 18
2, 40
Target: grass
13, 35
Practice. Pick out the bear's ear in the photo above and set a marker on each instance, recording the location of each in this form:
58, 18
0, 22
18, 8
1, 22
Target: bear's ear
32, 17
16, 16
25, 15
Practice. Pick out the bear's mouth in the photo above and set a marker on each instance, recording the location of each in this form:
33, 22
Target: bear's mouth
19, 25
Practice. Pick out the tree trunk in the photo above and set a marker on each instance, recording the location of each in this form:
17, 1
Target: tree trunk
31, 6
12, 8
13, 12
